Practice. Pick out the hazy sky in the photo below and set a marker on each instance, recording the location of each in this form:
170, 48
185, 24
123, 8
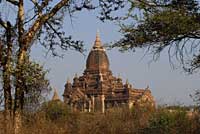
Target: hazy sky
167, 85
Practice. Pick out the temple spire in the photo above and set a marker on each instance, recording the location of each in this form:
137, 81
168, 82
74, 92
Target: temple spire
68, 80
127, 82
76, 75
55, 96
97, 43
97, 59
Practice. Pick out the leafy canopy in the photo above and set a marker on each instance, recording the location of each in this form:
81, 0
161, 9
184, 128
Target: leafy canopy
171, 24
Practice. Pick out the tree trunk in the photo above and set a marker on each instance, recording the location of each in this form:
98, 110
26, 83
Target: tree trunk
19, 91
25, 39
7, 81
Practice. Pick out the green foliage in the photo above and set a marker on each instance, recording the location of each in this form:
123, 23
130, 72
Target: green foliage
189, 5
168, 121
196, 98
55, 110
171, 24
36, 85
161, 29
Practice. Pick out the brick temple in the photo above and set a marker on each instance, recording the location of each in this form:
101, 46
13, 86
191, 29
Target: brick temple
97, 89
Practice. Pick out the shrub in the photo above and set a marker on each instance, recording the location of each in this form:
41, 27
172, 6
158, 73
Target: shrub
55, 110
165, 121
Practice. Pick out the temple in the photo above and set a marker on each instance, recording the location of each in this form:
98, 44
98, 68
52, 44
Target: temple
98, 90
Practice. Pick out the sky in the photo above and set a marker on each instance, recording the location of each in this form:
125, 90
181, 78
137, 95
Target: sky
168, 85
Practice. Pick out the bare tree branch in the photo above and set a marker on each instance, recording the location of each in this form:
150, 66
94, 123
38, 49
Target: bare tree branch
14, 2
3, 24
21, 14
44, 3
40, 21
40, 7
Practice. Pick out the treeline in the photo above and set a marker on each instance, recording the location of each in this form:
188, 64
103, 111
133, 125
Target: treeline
57, 118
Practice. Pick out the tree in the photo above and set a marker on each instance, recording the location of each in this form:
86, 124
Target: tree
169, 24
40, 22
37, 86
6, 57
55, 110
45, 17
34, 82
172, 25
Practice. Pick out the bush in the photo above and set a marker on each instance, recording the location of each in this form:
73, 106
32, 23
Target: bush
166, 121
55, 110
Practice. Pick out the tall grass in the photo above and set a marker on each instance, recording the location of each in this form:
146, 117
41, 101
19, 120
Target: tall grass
58, 119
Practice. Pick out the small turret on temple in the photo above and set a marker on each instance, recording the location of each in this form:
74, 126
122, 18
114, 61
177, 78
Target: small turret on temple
55, 96
98, 90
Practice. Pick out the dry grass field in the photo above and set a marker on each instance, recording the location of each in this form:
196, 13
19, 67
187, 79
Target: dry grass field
56, 119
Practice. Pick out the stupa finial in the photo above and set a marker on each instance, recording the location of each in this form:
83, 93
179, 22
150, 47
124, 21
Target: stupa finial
55, 95
127, 82
68, 80
97, 40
